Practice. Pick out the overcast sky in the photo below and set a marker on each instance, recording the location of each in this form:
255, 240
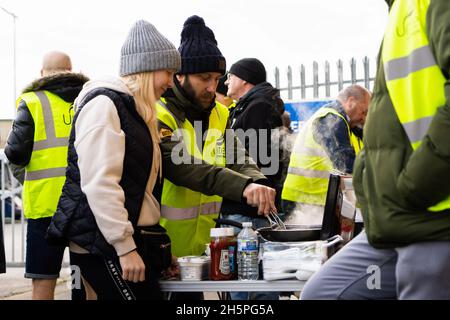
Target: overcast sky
278, 32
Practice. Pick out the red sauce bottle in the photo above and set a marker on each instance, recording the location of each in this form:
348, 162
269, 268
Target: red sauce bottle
220, 261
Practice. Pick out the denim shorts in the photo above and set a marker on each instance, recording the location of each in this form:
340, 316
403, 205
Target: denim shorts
42, 261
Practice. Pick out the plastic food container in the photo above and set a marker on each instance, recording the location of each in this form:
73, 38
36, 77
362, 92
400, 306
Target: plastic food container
284, 260
194, 268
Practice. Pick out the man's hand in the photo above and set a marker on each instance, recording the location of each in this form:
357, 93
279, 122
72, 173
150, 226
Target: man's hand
133, 268
260, 196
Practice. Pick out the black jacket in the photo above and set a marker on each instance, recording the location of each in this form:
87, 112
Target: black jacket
331, 132
260, 108
74, 220
19, 146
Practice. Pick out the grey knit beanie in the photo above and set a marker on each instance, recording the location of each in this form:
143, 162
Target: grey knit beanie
145, 50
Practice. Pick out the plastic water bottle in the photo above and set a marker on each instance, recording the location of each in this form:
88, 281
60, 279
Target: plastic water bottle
247, 253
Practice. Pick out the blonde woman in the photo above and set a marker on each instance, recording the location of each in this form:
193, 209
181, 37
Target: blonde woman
113, 163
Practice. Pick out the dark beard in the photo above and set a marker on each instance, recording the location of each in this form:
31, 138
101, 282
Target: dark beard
189, 90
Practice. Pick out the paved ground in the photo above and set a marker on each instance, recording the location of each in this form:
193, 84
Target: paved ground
13, 286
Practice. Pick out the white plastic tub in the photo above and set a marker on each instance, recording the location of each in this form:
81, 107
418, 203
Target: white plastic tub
194, 268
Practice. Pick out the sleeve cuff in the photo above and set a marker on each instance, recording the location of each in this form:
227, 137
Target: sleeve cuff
241, 184
124, 246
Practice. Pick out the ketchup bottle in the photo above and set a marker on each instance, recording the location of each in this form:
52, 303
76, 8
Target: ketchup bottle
220, 260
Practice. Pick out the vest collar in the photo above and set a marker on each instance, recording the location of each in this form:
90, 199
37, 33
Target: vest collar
339, 108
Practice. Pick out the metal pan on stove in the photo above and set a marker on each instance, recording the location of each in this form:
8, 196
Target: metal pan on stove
292, 233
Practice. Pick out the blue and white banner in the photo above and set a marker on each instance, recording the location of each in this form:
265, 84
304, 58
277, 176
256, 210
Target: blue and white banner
301, 111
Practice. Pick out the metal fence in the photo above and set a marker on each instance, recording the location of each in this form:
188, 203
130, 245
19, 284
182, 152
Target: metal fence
343, 76
13, 221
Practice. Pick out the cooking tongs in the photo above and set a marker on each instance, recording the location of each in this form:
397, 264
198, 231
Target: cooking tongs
275, 221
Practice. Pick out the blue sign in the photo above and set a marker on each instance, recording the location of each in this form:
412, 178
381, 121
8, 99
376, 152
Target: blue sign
301, 111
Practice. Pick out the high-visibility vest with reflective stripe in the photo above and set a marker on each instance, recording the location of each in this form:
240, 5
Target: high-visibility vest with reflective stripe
356, 142
309, 166
186, 214
414, 81
45, 174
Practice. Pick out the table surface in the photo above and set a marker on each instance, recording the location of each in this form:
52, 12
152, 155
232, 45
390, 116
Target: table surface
231, 285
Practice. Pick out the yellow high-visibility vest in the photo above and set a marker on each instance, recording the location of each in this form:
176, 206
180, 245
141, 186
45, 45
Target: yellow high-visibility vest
356, 142
309, 166
45, 174
414, 81
186, 214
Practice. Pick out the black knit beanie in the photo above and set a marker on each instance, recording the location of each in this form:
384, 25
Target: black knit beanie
198, 48
249, 69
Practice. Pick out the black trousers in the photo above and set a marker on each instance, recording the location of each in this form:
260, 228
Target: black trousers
105, 277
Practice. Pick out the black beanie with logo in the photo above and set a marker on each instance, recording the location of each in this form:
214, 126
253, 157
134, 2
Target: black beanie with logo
249, 69
198, 49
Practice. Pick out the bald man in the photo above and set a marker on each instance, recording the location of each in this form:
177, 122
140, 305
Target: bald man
324, 144
37, 146
55, 62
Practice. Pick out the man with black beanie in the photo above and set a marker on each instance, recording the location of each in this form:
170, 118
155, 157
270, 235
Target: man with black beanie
189, 200
258, 110
259, 107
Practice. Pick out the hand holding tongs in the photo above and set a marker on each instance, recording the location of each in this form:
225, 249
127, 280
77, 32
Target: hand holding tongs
275, 220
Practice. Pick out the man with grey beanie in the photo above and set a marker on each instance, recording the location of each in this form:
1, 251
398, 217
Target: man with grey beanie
114, 161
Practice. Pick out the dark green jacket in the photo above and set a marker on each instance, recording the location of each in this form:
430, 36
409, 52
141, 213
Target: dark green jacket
228, 182
395, 185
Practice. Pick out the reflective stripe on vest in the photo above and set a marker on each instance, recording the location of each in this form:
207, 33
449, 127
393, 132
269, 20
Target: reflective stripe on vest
414, 81
309, 173
45, 174
309, 166
171, 213
188, 215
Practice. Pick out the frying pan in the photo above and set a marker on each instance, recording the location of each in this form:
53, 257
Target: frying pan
330, 223
293, 232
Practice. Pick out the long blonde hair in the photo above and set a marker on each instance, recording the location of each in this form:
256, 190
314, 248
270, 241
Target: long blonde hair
141, 86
